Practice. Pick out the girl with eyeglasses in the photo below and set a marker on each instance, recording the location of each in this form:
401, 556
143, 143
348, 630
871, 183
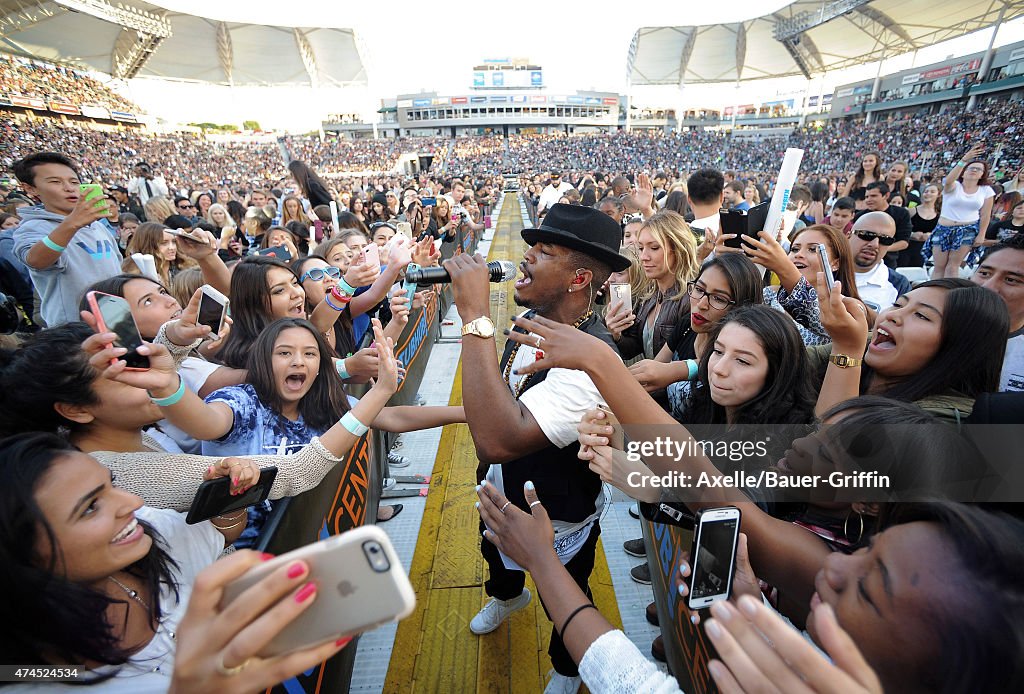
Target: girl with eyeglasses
725, 282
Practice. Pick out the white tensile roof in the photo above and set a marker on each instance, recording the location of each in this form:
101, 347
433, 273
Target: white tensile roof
98, 35
863, 31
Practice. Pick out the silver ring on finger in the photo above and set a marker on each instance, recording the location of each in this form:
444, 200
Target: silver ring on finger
539, 340
505, 507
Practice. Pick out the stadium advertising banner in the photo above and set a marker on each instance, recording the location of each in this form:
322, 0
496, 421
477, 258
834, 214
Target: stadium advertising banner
95, 112
497, 79
609, 101
575, 99
536, 78
478, 79
419, 103
478, 99
459, 100
61, 107
28, 102
937, 73
1019, 53
120, 115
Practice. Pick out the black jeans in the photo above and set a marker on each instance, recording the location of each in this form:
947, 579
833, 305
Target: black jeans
506, 584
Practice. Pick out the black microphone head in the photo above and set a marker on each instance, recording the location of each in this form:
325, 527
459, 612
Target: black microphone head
508, 270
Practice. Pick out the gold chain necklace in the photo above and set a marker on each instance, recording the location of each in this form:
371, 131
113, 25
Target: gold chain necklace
518, 390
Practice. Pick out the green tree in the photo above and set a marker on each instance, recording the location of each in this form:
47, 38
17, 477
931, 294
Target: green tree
251, 125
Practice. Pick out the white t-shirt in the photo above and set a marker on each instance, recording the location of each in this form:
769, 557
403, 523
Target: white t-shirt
1012, 378
557, 403
193, 548
874, 286
961, 207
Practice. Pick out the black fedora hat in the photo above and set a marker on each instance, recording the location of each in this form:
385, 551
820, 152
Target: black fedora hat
583, 229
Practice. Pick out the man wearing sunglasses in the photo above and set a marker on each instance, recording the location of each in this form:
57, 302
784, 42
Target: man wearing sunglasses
877, 284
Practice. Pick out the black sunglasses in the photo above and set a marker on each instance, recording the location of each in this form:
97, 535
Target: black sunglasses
868, 235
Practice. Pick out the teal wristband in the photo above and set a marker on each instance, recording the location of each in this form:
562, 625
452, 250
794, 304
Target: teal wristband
49, 243
339, 364
171, 399
354, 426
348, 288
691, 369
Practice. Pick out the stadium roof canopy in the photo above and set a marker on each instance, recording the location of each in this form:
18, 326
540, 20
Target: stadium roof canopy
806, 38
138, 39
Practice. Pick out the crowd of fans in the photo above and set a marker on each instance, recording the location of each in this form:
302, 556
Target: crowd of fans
723, 336
58, 83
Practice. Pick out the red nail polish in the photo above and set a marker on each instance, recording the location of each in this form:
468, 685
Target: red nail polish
266, 556
306, 592
343, 641
296, 570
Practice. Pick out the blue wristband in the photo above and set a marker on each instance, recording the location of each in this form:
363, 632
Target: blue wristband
339, 364
173, 398
53, 246
354, 426
691, 367
348, 288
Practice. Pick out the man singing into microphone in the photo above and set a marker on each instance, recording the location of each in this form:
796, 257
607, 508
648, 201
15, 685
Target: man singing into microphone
524, 427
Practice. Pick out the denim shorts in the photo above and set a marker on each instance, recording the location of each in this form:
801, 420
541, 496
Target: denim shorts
951, 238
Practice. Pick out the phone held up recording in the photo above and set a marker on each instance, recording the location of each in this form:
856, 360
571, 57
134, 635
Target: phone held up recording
713, 556
360, 585
213, 308
114, 315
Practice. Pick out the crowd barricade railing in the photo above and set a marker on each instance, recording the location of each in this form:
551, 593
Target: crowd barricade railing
348, 496
687, 650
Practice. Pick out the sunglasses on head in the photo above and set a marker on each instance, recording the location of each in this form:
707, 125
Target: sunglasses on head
868, 235
317, 274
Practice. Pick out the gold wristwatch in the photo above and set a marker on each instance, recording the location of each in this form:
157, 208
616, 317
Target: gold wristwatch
843, 361
481, 327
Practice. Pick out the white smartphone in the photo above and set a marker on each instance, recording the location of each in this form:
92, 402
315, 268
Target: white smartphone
826, 266
360, 585
212, 310
623, 293
713, 557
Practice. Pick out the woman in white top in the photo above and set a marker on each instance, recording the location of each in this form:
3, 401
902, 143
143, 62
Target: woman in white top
966, 207
128, 594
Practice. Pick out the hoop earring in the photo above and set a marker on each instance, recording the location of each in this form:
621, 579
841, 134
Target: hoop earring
860, 531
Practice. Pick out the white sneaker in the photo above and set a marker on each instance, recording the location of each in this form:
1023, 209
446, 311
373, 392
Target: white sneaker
497, 611
560, 684
389, 482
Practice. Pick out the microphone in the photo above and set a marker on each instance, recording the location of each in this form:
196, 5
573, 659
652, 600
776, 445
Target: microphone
501, 271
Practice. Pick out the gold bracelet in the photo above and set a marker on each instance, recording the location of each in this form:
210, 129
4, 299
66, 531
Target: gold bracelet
241, 518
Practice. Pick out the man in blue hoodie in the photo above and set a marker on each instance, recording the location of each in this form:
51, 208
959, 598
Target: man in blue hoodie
63, 242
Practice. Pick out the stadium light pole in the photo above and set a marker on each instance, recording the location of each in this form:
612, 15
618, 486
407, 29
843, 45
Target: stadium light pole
986, 61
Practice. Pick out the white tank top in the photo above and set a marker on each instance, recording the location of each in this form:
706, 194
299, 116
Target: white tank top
961, 207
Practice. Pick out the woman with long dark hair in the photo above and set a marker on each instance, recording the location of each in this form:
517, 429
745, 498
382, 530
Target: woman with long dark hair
869, 171
62, 382
313, 188
96, 580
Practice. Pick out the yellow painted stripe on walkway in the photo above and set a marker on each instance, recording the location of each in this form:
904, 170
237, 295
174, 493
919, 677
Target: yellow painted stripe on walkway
434, 650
